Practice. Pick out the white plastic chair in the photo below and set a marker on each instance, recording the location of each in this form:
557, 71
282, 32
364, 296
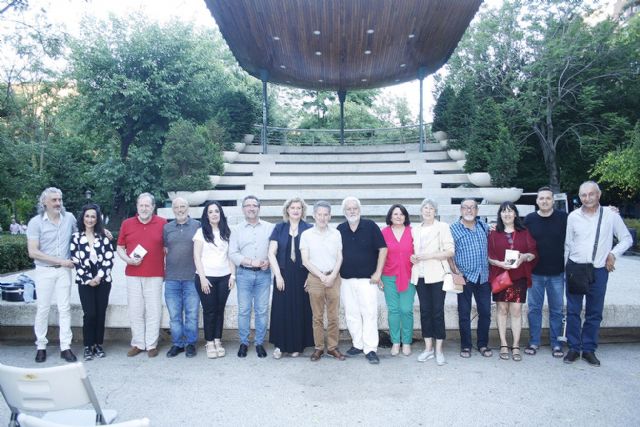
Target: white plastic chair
58, 389
30, 421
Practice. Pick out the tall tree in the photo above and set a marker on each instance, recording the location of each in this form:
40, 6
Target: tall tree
133, 79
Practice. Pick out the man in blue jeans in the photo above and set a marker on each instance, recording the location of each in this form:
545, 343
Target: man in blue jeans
472, 261
248, 247
180, 292
582, 226
548, 227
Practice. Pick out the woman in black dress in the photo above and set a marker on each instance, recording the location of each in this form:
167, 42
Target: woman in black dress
290, 329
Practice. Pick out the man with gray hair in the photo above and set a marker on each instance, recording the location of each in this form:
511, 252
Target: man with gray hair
180, 292
589, 240
48, 239
364, 252
321, 251
141, 246
248, 248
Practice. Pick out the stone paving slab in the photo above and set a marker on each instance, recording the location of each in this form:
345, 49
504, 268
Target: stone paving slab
478, 391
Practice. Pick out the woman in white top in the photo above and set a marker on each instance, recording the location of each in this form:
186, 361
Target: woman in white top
215, 274
432, 244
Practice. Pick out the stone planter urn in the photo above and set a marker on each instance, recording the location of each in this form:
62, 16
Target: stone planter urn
215, 180
461, 163
230, 156
440, 135
444, 143
239, 146
248, 138
480, 179
194, 198
499, 195
457, 154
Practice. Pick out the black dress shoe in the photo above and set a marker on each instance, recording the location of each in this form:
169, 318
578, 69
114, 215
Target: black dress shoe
354, 352
571, 356
68, 356
191, 350
41, 356
174, 351
590, 358
262, 353
372, 357
242, 351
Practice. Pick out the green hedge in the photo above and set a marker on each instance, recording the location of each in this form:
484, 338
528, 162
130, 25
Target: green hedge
13, 254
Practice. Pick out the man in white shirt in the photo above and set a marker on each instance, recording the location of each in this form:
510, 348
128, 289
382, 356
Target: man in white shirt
582, 227
321, 251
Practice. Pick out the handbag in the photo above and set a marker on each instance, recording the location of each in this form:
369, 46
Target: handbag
501, 282
451, 283
580, 274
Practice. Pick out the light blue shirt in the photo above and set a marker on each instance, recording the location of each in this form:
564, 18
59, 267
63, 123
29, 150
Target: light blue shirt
249, 241
471, 254
53, 239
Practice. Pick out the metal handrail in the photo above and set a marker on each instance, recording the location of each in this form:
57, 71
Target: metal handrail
373, 136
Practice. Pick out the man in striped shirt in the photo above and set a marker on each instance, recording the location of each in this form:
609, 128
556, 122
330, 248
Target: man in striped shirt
471, 260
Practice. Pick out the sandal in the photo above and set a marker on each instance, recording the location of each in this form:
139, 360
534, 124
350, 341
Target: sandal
485, 351
531, 350
465, 353
557, 352
504, 355
516, 356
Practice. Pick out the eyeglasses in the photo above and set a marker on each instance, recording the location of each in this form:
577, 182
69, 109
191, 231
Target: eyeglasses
250, 206
468, 208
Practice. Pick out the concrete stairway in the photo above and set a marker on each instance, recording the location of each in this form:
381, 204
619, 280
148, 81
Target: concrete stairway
379, 175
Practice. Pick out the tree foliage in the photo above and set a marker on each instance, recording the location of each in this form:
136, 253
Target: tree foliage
567, 86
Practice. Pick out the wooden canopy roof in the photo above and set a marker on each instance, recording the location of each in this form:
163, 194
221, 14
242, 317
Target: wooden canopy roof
342, 44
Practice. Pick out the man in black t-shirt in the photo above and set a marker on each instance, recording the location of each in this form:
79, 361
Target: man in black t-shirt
548, 227
364, 252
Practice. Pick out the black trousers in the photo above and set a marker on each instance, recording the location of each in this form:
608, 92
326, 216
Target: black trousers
94, 302
431, 297
213, 305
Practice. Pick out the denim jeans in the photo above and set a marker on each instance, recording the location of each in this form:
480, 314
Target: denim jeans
584, 337
482, 294
181, 298
400, 306
253, 290
554, 286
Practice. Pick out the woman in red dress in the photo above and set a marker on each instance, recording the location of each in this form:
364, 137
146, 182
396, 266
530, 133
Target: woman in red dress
511, 234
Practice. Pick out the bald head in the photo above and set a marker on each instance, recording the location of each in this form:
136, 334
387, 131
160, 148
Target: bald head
180, 209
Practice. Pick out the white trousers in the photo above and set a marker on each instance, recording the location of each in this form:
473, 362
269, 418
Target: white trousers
144, 301
49, 282
360, 301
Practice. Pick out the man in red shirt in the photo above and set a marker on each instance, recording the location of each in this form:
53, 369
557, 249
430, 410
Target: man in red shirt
141, 246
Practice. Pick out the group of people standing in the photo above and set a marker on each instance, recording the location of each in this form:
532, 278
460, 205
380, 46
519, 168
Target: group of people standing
316, 267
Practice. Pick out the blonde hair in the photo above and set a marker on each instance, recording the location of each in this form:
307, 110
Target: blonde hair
289, 202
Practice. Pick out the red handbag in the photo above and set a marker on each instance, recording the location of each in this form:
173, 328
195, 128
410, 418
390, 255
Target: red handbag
501, 282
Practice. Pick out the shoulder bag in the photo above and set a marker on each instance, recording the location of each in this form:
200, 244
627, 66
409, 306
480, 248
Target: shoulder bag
503, 280
580, 275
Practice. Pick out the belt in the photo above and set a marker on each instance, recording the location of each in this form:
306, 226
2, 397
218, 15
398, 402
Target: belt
52, 266
251, 268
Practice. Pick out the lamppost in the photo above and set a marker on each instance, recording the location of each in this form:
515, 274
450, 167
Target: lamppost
88, 194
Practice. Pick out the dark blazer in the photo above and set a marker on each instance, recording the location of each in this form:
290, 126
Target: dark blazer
80, 254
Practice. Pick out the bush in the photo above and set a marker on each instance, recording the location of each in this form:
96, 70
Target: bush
237, 113
189, 157
440, 117
13, 254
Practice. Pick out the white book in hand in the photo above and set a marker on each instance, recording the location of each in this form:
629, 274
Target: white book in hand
138, 253
511, 256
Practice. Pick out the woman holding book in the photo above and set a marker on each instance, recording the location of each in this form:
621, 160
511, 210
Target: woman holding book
512, 249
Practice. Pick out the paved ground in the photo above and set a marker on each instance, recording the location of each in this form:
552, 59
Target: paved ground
479, 391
